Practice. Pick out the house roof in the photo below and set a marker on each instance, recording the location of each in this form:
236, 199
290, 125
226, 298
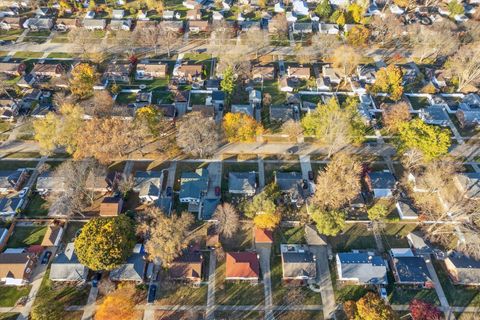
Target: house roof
281, 113
218, 95
190, 69
242, 265
411, 269
118, 68
188, 265
9, 204
259, 71
469, 183
263, 235
8, 179
418, 244
288, 181
362, 266
132, 270
193, 184
11, 66
382, 180
435, 113
66, 266
468, 270
152, 67
243, 108
47, 68
242, 182
148, 182
51, 235
208, 208
299, 72
94, 23
406, 208
12, 265
46, 181
201, 24
298, 264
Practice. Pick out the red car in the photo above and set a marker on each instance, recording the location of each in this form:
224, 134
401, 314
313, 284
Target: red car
217, 191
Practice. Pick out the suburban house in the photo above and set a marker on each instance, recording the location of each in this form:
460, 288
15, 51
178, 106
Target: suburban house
47, 70
435, 115
380, 183
148, 185
172, 26
418, 246
243, 108
12, 68
181, 101
148, 71
94, 24
208, 208
328, 28
281, 113
463, 270
124, 24
263, 73
361, 268
16, 268
469, 184
242, 266
367, 73
133, 269
9, 23
65, 24
66, 266
111, 206
194, 14
242, 183
409, 269
11, 181
193, 186
53, 235
302, 27
117, 72
9, 206
292, 185
263, 235
196, 26
187, 267
302, 73
405, 210
189, 72
298, 264
37, 24
331, 74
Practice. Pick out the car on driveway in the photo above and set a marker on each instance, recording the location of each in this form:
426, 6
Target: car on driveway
152, 292
96, 279
46, 257
310, 175
169, 191
217, 191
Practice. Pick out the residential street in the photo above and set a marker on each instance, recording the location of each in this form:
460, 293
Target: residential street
264, 250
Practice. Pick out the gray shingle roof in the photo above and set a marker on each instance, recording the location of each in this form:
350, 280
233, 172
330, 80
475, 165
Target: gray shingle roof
242, 182
193, 184
411, 270
382, 180
299, 264
362, 266
66, 266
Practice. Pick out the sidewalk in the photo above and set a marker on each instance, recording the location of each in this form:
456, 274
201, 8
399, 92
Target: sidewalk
90, 307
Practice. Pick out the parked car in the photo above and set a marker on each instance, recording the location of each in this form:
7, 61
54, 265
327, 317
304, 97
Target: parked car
383, 294
310, 175
23, 192
96, 279
46, 257
169, 191
217, 191
152, 292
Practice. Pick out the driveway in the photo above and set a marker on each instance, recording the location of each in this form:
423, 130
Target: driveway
215, 178
264, 250
438, 288
212, 267
261, 174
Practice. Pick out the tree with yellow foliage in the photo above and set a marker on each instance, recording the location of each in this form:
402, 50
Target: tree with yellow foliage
267, 220
151, 117
389, 80
118, 305
240, 127
83, 80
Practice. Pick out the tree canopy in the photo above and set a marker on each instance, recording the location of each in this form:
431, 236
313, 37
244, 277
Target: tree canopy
118, 305
82, 80
329, 223
389, 80
377, 212
240, 127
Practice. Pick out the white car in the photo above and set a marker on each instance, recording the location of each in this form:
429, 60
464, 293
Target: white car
23, 192
396, 9
460, 18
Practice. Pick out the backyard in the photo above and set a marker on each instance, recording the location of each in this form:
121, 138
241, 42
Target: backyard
9, 295
26, 236
354, 236
37, 207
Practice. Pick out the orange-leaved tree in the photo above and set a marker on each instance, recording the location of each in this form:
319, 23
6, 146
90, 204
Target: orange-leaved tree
240, 127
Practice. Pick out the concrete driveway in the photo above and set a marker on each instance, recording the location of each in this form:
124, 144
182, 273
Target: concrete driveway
264, 250
215, 178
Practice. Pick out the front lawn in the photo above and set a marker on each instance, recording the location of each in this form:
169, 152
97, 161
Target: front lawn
7, 165
28, 55
398, 294
271, 167
37, 207
242, 240
9, 295
61, 55
354, 236
9, 316
26, 236
178, 294
298, 315
71, 231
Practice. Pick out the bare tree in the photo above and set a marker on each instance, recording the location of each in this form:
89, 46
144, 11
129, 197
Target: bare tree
346, 58
126, 185
198, 135
256, 40
81, 38
432, 42
220, 39
324, 44
228, 221
149, 37
394, 115
465, 65
100, 105
236, 59
292, 128
169, 38
279, 24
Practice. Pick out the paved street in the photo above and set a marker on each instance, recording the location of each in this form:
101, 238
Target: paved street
265, 250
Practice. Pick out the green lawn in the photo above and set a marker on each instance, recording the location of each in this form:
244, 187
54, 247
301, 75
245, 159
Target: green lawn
354, 236
160, 83
398, 294
37, 207
28, 55
62, 55
10, 34
394, 235
23, 155
9, 295
26, 236
242, 240
173, 294
457, 295
126, 97
71, 231
14, 165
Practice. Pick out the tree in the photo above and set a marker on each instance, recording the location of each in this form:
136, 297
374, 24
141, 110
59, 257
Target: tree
464, 65
421, 310
329, 223
105, 243
149, 37
106, 139
341, 19
279, 24
198, 135
372, 307
81, 38
432, 141
261, 203
432, 42
394, 115
102, 104
346, 58
165, 237
150, 117
82, 80
325, 44
228, 82
118, 305
228, 221
358, 36
169, 38
267, 220
240, 127
292, 128
455, 8
60, 130
377, 212
256, 40
48, 307
389, 80
355, 12
324, 9
339, 183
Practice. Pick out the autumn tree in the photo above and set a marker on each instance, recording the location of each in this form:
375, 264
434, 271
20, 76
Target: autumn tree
325, 45
430, 42
228, 220
455, 8
372, 307
358, 36
389, 80
81, 38
59, 130
228, 81
267, 220
328, 222
432, 141
240, 127
377, 212
262, 208
169, 38
149, 117
198, 135
421, 310
256, 40
464, 65
165, 237
292, 128
393, 115
105, 243
83, 78
279, 24
324, 9
347, 59
118, 305
355, 12
149, 37
339, 183
102, 104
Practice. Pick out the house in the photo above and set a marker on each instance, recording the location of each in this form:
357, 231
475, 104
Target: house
16, 268
468, 113
8, 109
328, 28
380, 183
300, 8
149, 71
367, 73
405, 210
242, 183
117, 72
191, 4
299, 72
243, 108
242, 266
323, 84
143, 99
36, 24
194, 14
298, 264
212, 84
94, 24
124, 24
247, 25
47, 182
148, 184
263, 235
281, 113
291, 184
189, 72
111, 206
361, 268
172, 26
168, 14
11, 181
208, 208
65, 24
411, 72
302, 28
11, 23
48, 70
331, 74
463, 270
255, 97
436, 115
263, 73
187, 267
118, 14
411, 271
66, 266
193, 186
133, 269
468, 183
181, 102
168, 111
53, 235
10, 206
418, 246
197, 26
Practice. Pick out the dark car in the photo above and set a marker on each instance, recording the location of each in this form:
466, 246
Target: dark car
217, 191
152, 292
305, 184
96, 279
310, 175
169, 191
46, 257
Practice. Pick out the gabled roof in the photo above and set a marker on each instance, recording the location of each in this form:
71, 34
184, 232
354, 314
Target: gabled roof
411, 270
12, 265
51, 235
263, 235
244, 182
469, 183
132, 270
288, 181
193, 183
382, 180
148, 182
242, 265
299, 264
66, 266
187, 266
363, 267
9, 204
